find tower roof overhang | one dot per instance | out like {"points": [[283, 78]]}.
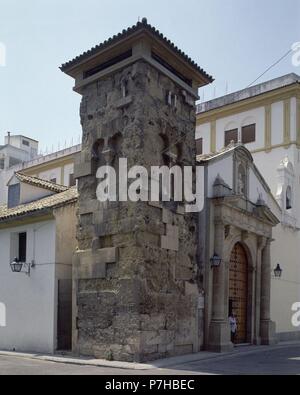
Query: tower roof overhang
{"points": [[142, 41]]}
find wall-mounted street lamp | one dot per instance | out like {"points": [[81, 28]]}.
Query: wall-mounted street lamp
{"points": [[21, 267], [215, 261], [278, 271]]}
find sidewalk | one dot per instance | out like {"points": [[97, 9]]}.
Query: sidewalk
{"points": [[161, 364]]}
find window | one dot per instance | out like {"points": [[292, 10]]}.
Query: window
{"points": [[53, 180], [248, 134], [289, 198], [22, 246], [72, 181], [199, 146], [13, 199], [231, 136], [25, 142]]}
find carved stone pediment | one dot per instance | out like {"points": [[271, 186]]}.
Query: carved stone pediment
{"points": [[264, 213]]}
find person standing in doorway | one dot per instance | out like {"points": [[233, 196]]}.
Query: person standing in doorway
{"points": [[233, 327]]}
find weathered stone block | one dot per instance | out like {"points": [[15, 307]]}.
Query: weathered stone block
{"points": [[124, 102], [93, 264], [169, 243], [88, 207], [83, 169], [153, 322], [168, 217]]}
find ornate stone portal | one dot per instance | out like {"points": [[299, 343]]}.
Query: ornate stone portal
{"points": [[135, 273], [232, 219]]}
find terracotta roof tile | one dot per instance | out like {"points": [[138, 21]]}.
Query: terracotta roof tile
{"points": [[51, 202], [144, 25], [38, 182]]}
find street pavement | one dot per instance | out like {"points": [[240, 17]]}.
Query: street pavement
{"points": [[280, 360], [22, 366]]}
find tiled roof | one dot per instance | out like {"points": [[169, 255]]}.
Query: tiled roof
{"points": [[38, 182], [51, 202], [140, 26]]}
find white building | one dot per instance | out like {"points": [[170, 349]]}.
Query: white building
{"points": [[57, 167], [17, 149], [36, 225], [266, 119]]}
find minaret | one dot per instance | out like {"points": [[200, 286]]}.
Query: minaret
{"points": [[136, 282]]}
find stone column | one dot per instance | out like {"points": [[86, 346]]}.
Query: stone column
{"points": [[219, 332], [267, 327], [260, 245]]}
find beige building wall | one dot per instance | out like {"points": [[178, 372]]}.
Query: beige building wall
{"points": [[66, 226]]}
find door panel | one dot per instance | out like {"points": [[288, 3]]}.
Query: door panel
{"points": [[64, 318], [238, 290]]}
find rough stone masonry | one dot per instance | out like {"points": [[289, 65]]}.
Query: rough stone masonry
{"points": [[136, 278]]}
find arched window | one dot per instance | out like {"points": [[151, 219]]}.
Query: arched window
{"points": [[289, 198]]}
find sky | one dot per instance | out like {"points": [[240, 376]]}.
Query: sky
{"points": [[233, 40]]}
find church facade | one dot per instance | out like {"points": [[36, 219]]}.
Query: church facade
{"points": [[266, 120], [235, 230]]}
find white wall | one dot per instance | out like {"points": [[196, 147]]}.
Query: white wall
{"points": [[51, 174], [203, 132], [293, 119], [256, 189], [57, 173], [5, 176], [285, 291], [68, 170], [223, 167], [30, 301], [31, 193], [277, 123]]}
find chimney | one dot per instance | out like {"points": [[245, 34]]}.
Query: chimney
{"points": [[8, 138]]}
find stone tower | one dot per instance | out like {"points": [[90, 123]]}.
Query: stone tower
{"points": [[135, 273]]}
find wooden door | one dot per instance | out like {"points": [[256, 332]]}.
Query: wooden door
{"points": [[64, 315], [238, 290]]}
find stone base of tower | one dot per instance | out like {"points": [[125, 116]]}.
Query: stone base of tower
{"points": [[122, 316]]}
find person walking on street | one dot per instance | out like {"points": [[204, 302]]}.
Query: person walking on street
{"points": [[233, 327]]}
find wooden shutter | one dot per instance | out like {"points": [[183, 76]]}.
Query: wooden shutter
{"points": [[199, 146], [231, 136], [248, 134]]}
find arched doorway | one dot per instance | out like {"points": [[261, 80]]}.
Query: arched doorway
{"points": [[238, 290]]}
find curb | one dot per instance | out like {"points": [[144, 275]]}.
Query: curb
{"points": [[160, 364], [78, 361]]}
